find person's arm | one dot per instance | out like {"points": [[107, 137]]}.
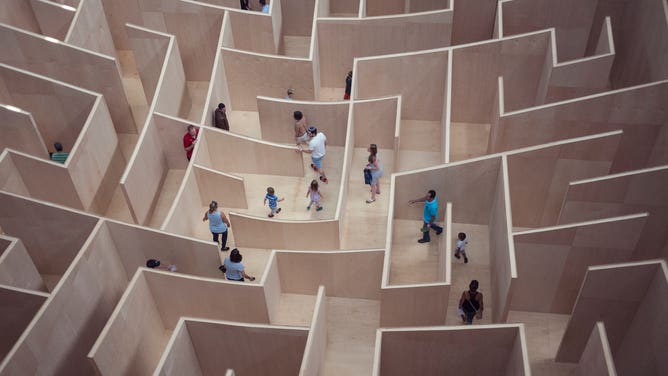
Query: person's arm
{"points": [[421, 199], [192, 145], [320, 193], [462, 299], [205, 217], [281, 199], [302, 150], [308, 193], [225, 220], [243, 273], [265, 201], [482, 306]]}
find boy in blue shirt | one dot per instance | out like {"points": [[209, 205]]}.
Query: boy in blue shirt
{"points": [[429, 215], [273, 202]]}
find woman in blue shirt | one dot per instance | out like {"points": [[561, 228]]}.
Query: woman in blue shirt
{"points": [[218, 224], [234, 269]]}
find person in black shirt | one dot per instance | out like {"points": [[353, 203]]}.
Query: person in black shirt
{"points": [[245, 5], [471, 303], [349, 84]]}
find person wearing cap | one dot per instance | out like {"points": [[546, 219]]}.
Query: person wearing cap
{"points": [[155, 264], [220, 117], [289, 96], [234, 269], [59, 156], [317, 149]]}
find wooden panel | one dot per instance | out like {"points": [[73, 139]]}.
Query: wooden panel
{"points": [[10, 177], [384, 7], [81, 304], [255, 350], [20, 133], [238, 154], [297, 17], [249, 75], [19, 13], [272, 287], [554, 260], [229, 188], [150, 52], [179, 357], [72, 65], [349, 8], [341, 40], [144, 175], [470, 187], [285, 234], [17, 268], [596, 359], [415, 6], [422, 91], [415, 305], [253, 32], [172, 98], [316, 344], [136, 244], [459, 350], [475, 70], [47, 181], [18, 309], [54, 20], [90, 30], [186, 213], [376, 123], [614, 294], [170, 132], [277, 123], [473, 21], [344, 274]]}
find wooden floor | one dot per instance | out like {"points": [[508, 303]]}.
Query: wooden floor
{"points": [[296, 46]]}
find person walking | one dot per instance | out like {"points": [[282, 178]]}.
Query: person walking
{"points": [[429, 215], [376, 168], [220, 117], [189, 140], [317, 148], [218, 224], [471, 303], [349, 85]]}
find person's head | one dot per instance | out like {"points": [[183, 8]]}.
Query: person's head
{"points": [[270, 190], [58, 146], [221, 107], [372, 158], [461, 236], [298, 115], [373, 149], [152, 263], [263, 2], [290, 92], [213, 206], [314, 185], [191, 130], [312, 131], [431, 194], [235, 256], [473, 286], [350, 74]]}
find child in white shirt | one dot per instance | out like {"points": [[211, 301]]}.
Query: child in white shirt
{"points": [[461, 247]]}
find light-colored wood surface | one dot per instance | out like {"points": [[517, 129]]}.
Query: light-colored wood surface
{"points": [[17, 268], [19, 308], [597, 358]]}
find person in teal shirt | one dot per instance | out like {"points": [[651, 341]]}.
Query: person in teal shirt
{"points": [[429, 215], [59, 155]]}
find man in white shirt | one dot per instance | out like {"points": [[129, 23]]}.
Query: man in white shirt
{"points": [[317, 149]]}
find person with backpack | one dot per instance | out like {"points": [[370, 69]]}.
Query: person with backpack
{"points": [[470, 304]]}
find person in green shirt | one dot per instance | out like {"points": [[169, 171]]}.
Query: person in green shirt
{"points": [[59, 155]]}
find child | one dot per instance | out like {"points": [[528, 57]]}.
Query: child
{"points": [[315, 194], [273, 201], [461, 246]]}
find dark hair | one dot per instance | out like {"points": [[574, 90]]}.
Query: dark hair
{"points": [[235, 256], [373, 149], [312, 130], [372, 158], [350, 73], [58, 146], [263, 2], [461, 236], [152, 263], [473, 286], [314, 185], [221, 106], [190, 127], [270, 190], [298, 115], [290, 91], [213, 206], [432, 193]]}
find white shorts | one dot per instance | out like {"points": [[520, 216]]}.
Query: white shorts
{"points": [[303, 138]]}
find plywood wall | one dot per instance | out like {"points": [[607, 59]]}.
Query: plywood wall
{"points": [[285, 234], [54, 20], [20, 14], [253, 32], [179, 358], [473, 21], [376, 122], [90, 30], [150, 52], [21, 133], [342, 40], [17, 268], [229, 190], [596, 359], [19, 308], [415, 305]]}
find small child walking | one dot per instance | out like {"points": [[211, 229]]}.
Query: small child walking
{"points": [[315, 194], [273, 202], [461, 247]]}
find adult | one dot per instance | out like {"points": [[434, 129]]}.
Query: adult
{"points": [[218, 224], [289, 94], [155, 264], [245, 5], [234, 269], [429, 215], [265, 6], [189, 140], [59, 156], [349, 85], [301, 136], [471, 303], [317, 148], [376, 167], [220, 117]]}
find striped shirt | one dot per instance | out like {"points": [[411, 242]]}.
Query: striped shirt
{"points": [[59, 157], [273, 200]]}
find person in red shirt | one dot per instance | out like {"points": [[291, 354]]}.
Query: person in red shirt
{"points": [[189, 140]]}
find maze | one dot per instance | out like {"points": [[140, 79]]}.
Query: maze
{"points": [[542, 125]]}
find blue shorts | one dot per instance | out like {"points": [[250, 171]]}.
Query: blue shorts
{"points": [[317, 162]]}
